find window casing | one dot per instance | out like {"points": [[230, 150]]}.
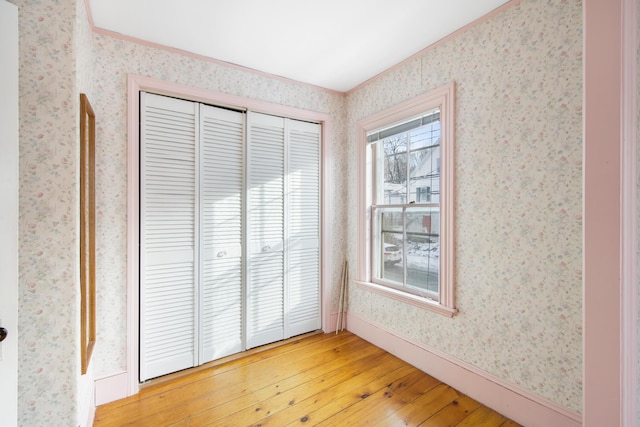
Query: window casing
{"points": [[406, 241]]}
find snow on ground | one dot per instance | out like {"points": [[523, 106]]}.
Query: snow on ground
{"points": [[423, 256]]}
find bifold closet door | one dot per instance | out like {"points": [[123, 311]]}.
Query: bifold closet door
{"points": [[265, 229], [302, 233], [229, 232], [168, 234], [283, 278], [221, 195], [191, 299]]}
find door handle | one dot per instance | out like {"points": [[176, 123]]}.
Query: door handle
{"points": [[3, 334]]}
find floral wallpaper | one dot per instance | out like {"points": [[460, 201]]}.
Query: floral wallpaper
{"points": [[519, 197], [84, 84], [48, 260]]}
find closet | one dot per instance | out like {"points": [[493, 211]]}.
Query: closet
{"points": [[229, 231]]}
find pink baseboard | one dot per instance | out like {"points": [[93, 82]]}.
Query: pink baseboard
{"points": [[330, 326], [110, 388], [518, 404]]}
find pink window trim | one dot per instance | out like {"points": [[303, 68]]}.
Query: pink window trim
{"points": [[443, 98]]}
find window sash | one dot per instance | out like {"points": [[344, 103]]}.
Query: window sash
{"points": [[416, 269], [410, 166]]}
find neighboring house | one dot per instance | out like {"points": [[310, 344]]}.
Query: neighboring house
{"points": [[522, 231], [424, 182]]}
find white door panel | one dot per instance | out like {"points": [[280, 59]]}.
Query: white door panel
{"points": [[303, 228], [221, 190], [265, 229], [9, 213], [168, 238]]}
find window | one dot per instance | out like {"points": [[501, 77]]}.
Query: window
{"points": [[423, 194], [406, 228]]}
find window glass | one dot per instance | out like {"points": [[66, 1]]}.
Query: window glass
{"points": [[407, 181], [395, 169]]}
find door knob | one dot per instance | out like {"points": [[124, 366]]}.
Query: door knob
{"points": [[3, 334]]}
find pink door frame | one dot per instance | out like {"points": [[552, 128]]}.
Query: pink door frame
{"points": [[610, 224]]}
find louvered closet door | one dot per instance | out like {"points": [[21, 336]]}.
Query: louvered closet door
{"points": [[265, 228], [222, 159], [168, 235], [229, 232], [303, 228]]}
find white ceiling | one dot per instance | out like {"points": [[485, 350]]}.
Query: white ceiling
{"points": [[335, 44]]}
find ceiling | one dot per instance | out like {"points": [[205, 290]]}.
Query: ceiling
{"points": [[334, 44]]}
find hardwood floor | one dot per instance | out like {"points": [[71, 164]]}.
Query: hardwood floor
{"points": [[323, 379]]}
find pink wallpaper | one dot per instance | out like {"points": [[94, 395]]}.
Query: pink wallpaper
{"points": [[519, 197], [49, 374]]}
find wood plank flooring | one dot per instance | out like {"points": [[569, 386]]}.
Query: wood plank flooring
{"points": [[322, 379]]}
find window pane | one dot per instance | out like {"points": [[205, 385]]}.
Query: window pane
{"points": [[423, 248], [395, 169], [389, 244], [391, 254], [425, 164], [425, 175], [425, 136], [391, 220], [423, 259]]}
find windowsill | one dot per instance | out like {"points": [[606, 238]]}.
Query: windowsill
{"points": [[408, 298]]}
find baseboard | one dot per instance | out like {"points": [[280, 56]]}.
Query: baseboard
{"points": [[518, 404], [110, 388], [333, 323], [88, 411], [91, 415]]}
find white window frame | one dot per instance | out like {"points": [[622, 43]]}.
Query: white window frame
{"points": [[443, 99]]}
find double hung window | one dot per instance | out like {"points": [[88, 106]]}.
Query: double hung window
{"points": [[405, 242], [406, 231]]}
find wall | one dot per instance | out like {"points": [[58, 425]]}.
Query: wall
{"points": [[59, 58], [50, 77], [115, 58], [84, 84], [519, 203], [519, 195]]}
